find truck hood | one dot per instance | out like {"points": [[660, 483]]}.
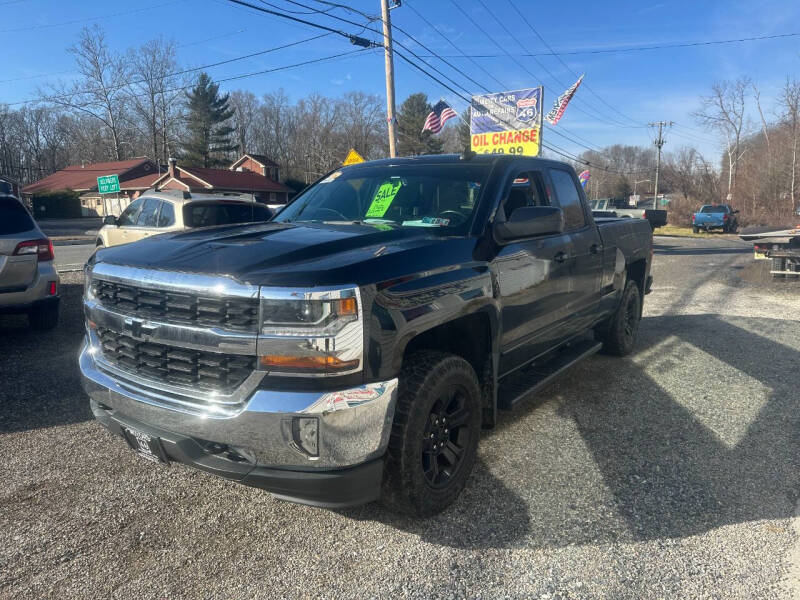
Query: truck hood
{"points": [[285, 254]]}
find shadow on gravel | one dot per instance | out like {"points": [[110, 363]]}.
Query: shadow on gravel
{"points": [[487, 514], [677, 470], [39, 379]]}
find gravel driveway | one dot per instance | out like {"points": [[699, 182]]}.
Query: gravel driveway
{"points": [[671, 474]]}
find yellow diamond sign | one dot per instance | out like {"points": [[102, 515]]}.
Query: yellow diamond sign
{"points": [[353, 158]]}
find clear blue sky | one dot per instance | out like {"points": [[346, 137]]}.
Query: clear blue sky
{"points": [[644, 86]]}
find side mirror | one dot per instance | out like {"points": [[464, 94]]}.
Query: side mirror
{"points": [[109, 220], [529, 221]]}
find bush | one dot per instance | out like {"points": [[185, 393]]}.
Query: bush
{"points": [[60, 204]]}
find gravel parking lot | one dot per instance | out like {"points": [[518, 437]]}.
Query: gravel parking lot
{"points": [[671, 474]]}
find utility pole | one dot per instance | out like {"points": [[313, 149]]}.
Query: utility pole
{"points": [[659, 143], [387, 47]]}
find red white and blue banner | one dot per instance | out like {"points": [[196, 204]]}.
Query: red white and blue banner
{"points": [[554, 116]]}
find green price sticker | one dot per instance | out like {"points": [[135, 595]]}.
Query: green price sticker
{"points": [[383, 199]]}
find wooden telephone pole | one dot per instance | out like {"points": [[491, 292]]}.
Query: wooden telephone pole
{"points": [[659, 142], [391, 120]]}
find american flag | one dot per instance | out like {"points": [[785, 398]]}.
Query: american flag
{"points": [[439, 115]]}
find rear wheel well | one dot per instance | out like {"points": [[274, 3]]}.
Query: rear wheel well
{"points": [[470, 338], [636, 272]]}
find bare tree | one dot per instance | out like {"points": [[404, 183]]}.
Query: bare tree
{"points": [[723, 111], [102, 90], [790, 98], [153, 94], [245, 108]]}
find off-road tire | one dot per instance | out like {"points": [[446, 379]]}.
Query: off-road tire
{"points": [[618, 335], [427, 378], [43, 318]]}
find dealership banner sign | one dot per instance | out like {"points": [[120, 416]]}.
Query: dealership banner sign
{"points": [[507, 122]]}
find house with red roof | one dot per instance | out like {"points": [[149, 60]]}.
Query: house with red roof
{"points": [[247, 175], [251, 174], [135, 176]]}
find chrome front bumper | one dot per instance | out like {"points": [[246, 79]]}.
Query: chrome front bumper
{"points": [[353, 424]]}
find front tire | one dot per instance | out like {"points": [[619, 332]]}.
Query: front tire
{"points": [[695, 230], [435, 433], [619, 334]]}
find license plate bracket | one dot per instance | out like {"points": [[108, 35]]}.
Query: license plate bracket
{"points": [[145, 445]]}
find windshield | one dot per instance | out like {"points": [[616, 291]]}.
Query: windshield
{"points": [[206, 214], [13, 217], [717, 208], [442, 197]]}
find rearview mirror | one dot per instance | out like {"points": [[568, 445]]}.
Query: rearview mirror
{"points": [[109, 220], [529, 221]]}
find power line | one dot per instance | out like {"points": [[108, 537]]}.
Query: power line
{"points": [[519, 64], [173, 74], [39, 76], [560, 83], [566, 66], [86, 20], [353, 38], [625, 49], [591, 146], [449, 41]]}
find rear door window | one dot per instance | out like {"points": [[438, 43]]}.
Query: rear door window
{"points": [[569, 199], [13, 217], [208, 214], [166, 218]]}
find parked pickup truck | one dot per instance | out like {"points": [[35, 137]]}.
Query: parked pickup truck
{"points": [[619, 207], [353, 347], [715, 216]]}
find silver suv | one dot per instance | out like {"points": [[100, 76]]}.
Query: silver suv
{"points": [[28, 279]]}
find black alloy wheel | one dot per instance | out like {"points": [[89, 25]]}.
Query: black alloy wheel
{"points": [[445, 438]]}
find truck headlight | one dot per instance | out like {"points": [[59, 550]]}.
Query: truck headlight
{"points": [[313, 332], [88, 292]]}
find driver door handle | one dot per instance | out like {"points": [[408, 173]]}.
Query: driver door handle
{"points": [[560, 257], [594, 248]]}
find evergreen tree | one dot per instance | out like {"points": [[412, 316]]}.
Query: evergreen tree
{"points": [[622, 188], [210, 134], [411, 140]]}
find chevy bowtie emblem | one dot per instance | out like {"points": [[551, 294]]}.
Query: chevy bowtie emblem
{"points": [[137, 327]]}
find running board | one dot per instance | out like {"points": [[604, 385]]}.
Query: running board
{"points": [[520, 385]]}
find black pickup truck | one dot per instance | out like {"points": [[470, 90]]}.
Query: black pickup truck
{"points": [[352, 348]]}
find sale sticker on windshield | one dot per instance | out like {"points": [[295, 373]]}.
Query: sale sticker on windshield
{"points": [[383, 199]]}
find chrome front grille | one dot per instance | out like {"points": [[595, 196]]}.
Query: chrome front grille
{"points": [[206, 371], [227, 312]]}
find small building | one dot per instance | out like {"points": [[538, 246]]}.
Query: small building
{"points": [[73, 191], [135, 176], [250, 174]]}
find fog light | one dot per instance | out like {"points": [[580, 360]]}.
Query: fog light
{"points": [[305, 431]]}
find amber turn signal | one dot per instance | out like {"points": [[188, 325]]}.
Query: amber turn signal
{"points": [[306, 363], [346, 306]]}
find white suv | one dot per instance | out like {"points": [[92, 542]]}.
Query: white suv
{"points": [[160, 212]]}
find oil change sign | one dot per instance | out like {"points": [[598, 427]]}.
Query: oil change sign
{"points": [[383, 199], [507, 122]]}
